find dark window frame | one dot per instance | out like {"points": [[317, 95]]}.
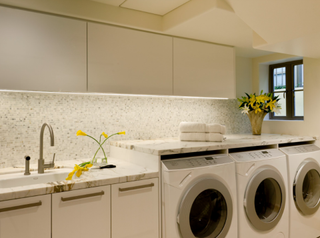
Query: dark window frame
{"points": [[289, 89]]}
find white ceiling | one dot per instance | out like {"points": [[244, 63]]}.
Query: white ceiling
{"points": [[254, 27], [158, 7]]}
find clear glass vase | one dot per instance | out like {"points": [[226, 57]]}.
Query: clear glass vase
{"points": [[99, 161]]}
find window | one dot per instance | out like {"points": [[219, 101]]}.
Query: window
{"points": [[286, 80]]}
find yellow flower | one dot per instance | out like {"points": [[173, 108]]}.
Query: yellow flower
{"points": [[70, 175], [78, 170], [105, 135], [271, 104], [260, 99], [252, 100], [268, 98], [257, 109], [122, 133], [81, 133], [88, 166]]}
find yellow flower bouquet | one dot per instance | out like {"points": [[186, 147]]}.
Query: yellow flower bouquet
{"points": [[261, 103], [78, 169], [257, 107]]}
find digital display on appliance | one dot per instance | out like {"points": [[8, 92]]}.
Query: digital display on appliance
{"points": [[264, 152], [208, 158]]}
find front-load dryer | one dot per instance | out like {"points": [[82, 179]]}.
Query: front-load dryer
{"points": [[304, 190], [262, 194], [199, 197]]}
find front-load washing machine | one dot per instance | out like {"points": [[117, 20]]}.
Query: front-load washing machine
{"points": [[199, 197], [262, 194], [304, 190]]}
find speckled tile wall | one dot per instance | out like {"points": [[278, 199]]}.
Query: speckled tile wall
{"points": [[23, 113]]}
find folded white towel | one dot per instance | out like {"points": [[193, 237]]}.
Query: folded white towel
{"points": [[192, 127], [214, 137], [215, 128], [192, 136]]}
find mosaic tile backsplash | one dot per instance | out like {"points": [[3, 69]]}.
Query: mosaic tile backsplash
{"points": [[23, 113]]}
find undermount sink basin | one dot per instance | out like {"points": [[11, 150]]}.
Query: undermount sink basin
{"points": [[19, 179]]}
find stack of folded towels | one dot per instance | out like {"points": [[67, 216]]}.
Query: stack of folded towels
{"points": [[194, 131]]}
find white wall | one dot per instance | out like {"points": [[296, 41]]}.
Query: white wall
{"points": [[310, 126], [243, 76]]}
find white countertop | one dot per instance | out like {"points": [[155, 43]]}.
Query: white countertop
{"points": [[124, 172], [175, 146]]}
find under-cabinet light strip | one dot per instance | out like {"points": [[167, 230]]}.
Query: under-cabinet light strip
{"points": [[111, 94]]}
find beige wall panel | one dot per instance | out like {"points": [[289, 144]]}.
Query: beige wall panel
{"points": [[203, 69], [41, 52], [127, 61]]}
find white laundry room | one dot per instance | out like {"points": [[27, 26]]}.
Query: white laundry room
{"points": [[159, 119]]}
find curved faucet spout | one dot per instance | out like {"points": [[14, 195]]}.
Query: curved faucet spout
{"points": [[41, 164]]}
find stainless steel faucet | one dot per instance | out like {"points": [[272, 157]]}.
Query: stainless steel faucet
{"points": [[41, 164]]}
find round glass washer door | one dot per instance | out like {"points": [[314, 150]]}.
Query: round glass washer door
{"points": [[205, 210], [306, 187], [264, 199]]}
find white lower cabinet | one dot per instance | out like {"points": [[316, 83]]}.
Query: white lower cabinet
{"points": [[126, 210], [81, 213], [135, 209], [26, 218]]}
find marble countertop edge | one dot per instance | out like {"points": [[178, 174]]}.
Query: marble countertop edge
{"points": [[95, 177], [167, 146]]}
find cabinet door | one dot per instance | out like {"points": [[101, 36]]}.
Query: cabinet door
{"points": [[128, 61], [41, 52], [81, 213], [203, 69], [135, 209], [26, 218]]}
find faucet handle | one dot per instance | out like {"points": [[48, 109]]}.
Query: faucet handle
{"points": [[27, 165], [54, 156], [50, 164]]}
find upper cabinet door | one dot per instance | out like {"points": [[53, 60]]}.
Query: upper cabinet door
{"points": [[128, 61], [41, 52], [203, 69]]}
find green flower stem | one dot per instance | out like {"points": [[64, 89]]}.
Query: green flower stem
{"points": [[102, 148], [84, 164], [98, 149]]}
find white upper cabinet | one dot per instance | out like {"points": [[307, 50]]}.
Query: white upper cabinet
{"points": [[203, 69], [41, 52], [128, 61]]}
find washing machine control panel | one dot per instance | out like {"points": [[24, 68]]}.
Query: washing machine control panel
{"points": [[256, 155], [195, 162], [300, 149]]}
